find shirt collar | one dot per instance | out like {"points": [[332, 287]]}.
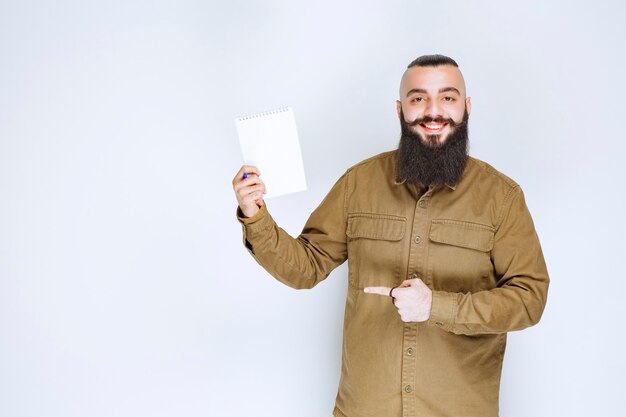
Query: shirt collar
{"points": [[399, 181]]}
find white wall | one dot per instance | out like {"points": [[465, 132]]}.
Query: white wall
{"points": [[124, 287]]}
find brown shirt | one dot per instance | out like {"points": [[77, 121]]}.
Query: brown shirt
{"points": [[473, 244]]}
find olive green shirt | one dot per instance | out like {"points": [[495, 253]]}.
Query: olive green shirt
{"points": [[474, 244]]}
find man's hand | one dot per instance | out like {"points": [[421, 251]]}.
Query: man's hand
{"points": [[413, 299], [249, 191]]}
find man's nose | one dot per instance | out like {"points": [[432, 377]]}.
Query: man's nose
{"points": [[433, 109]]}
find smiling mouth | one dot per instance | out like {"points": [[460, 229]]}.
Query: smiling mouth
{"points": [[433, 128]]}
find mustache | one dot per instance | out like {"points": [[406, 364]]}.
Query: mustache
{"points": [[424, 120]]}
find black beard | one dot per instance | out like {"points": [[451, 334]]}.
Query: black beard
{"points": [[424, 161]]}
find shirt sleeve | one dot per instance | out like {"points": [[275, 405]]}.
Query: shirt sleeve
{"points": [[519, 298], [304, 261]]}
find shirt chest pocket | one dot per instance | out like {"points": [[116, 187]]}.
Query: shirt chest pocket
{"points": [[374, 249], [460, 255]]}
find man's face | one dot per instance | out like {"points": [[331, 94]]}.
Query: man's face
{"points": [[432, 100]]}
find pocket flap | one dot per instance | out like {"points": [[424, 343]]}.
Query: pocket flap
{"points": [[375, 226], [464, 234]]}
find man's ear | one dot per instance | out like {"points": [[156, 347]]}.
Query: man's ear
{"points": [[468, 105], [399, 108]]}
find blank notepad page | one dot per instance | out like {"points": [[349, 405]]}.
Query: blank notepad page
{"points": [[269, 141]]}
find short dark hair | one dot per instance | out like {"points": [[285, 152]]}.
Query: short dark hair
{"points": [[432, 61]]}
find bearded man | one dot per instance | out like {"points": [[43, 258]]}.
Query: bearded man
{"points": [[442, 253]]}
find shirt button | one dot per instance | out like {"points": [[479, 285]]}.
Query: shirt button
{"points": [[422, 204], [408, 389], [418, 239], [409, 352]]}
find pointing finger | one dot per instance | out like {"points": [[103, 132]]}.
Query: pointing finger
{"points": [[377, 290]]}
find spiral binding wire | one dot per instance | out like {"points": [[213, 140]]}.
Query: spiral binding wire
{"points": [[263, 114]]}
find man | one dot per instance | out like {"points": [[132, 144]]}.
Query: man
{"points": [[442, 253]]}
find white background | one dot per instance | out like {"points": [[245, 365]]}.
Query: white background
{"points": [[125, 289]]}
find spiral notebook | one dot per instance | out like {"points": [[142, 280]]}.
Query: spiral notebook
{"points": [[269, 141]]}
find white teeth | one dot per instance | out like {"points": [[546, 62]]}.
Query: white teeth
{"points": [[434, 126]]}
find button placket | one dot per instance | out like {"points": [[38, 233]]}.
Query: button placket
{"points": [[408, 370], [416, 264]]}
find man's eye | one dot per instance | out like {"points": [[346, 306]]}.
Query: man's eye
{"points": [[418, 99], [448, 99]]}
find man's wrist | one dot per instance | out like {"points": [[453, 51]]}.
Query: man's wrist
{"points": [[258, 218]]}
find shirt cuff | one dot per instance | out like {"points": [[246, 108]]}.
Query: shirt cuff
{"points": [[443, 310], [259, 218], [255, 227]]}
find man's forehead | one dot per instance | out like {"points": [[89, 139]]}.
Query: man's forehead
{"points": [[432, 79]]}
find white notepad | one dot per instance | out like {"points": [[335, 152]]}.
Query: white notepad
{"points": [[269, 141]]}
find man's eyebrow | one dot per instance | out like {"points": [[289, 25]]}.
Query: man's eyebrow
{"points": [[446, 89], [441, 90], [416, 90]]}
